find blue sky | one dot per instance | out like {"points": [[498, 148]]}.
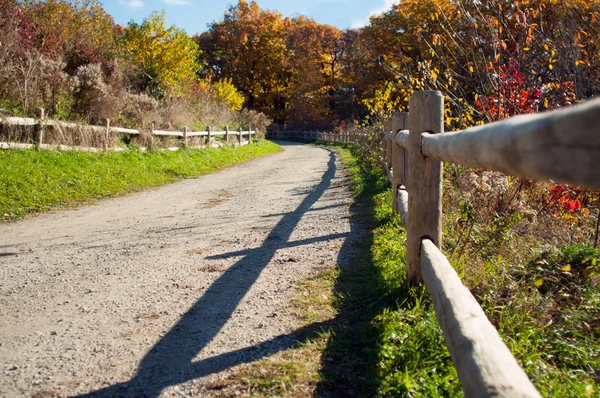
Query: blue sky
{"points": [[194, 15]]}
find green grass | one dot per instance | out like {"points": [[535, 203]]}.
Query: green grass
{"points": [[33, 181]]}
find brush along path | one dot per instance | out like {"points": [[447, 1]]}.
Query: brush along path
{"points": [[163, 291]]}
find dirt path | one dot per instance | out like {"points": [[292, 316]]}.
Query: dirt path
{"points": [[159, 292]]}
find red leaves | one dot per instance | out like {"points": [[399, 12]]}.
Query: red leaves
{"points": [[566, 197], [512, 97]]}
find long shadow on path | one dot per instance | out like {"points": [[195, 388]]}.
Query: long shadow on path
{"points": [[170, 361]]}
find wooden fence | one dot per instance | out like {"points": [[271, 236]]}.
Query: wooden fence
{"points": [[562, 146], [342, 137], [39, 124]]}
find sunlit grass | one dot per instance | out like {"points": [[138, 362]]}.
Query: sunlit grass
{"points": [[33, 181]]}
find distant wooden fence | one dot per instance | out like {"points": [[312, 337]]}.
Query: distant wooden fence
{"points": [[40, 123], [562, 146], [342, 137]]}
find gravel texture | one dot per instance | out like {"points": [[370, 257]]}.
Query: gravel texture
{"points": [[157, 293]]}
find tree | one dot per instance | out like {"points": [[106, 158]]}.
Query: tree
{"points": [[165, 57], [249, 48]]}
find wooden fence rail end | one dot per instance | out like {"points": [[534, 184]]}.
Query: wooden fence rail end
{"points": [[402, 203]]}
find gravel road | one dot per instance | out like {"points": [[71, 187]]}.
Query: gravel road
{"points": [[157, 293]]}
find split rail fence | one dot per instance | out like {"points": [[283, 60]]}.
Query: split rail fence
{"points": [[562, 146], [344, 137], [40, 124]]}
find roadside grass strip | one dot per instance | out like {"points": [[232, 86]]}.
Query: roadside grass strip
{"points": [[32, 181]]}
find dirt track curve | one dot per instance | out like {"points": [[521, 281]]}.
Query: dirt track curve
{"points": [[159, 292]]}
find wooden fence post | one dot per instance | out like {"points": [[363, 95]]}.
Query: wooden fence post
{"points": [[399, 122], [151, 144], [250, 135], [226, 135], [424, 179], [185, 138], [240, 137], [107, 137], [382, 161], [38, 130], [208, 136]]}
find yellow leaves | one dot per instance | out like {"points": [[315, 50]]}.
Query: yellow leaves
{"points": [[434, 75], [550, 66], [226, 92], [167, 55], [538, 283], [566, 268], [471, 68], [580, 62]]}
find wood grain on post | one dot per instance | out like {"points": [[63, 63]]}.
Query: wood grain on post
{"points": [[250, 135], [399, 122], [485, 365], [424, 179], [38, 130], [240, 137], [208, 136], [185, 137], [226, 135], [562, 145]]}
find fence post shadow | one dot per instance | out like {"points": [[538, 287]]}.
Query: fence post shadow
{"points": [[170, 360], [350, 360]]}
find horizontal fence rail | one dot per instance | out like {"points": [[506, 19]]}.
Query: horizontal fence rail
{"points": [[40, 124], [563, 146], [484, 364]]}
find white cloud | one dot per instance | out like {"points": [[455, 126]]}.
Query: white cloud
{"points": [[134, 4], [178, 2], [387, 4]]}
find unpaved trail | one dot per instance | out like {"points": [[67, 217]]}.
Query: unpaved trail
{"points": [[159, 292]]}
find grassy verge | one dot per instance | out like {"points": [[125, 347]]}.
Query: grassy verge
{"points": [[363, 331], [33, 181]]}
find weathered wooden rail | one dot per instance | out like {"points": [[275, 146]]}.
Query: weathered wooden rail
{"points": [[562, 146], [40, 123]]}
